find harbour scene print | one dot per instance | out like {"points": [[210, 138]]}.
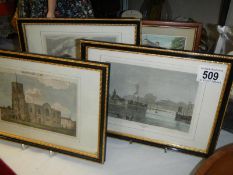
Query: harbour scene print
{"points": [[152, 96], [69, 46], [61, 46], [39, 101], [168, 42]]}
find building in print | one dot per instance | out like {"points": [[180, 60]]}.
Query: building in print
{"points": [[184, 113], [44, 115], [135, 108], [126, 109], [38, 116], [19, 105], [67, 123]]}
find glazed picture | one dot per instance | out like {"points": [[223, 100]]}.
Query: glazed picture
{"points": [[40, 101], [162, 102], [69, 45], [169, 42]]}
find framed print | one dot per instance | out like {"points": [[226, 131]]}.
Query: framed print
{"points": [[61, 37], [167, 98], [55, 104], [171, 35]]}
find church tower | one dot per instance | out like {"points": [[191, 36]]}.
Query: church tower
{"points": [[18, 101]]}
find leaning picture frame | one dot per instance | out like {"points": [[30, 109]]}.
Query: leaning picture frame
{"points": [[53, 103], [164, 98], [61, 36], [171, 35]]}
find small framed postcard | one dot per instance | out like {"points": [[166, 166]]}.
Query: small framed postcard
{"points": [[171, 35], [172, 99], [55, 104], [61, 37]]}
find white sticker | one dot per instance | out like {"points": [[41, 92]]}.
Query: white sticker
{"points": [[210, 74]]}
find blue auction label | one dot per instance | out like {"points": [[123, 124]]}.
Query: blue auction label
{"points": [[210, 74]]}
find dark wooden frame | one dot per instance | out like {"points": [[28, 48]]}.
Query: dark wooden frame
{"points": [[85, 44], [102, 124], [76, 21], [182, 25]]}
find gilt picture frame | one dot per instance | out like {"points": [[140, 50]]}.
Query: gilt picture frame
{"points": [[171, 35], [161, 97], [46, 101], [61, 36]]}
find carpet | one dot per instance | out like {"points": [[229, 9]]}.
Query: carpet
{"points": [[5, 169]]}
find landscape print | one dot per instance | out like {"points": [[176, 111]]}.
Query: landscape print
{"points": [[152, 96], [39, 101], [69, 46], [169, 42]]}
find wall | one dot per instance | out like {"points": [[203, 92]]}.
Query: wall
{"points": [[205, 11], [229, 20], [135, 4]]}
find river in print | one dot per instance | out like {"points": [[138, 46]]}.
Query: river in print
{"points": [[152, 96]]}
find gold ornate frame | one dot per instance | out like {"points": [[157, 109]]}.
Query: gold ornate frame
{"points": [[103, 69], [85, 45]]}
